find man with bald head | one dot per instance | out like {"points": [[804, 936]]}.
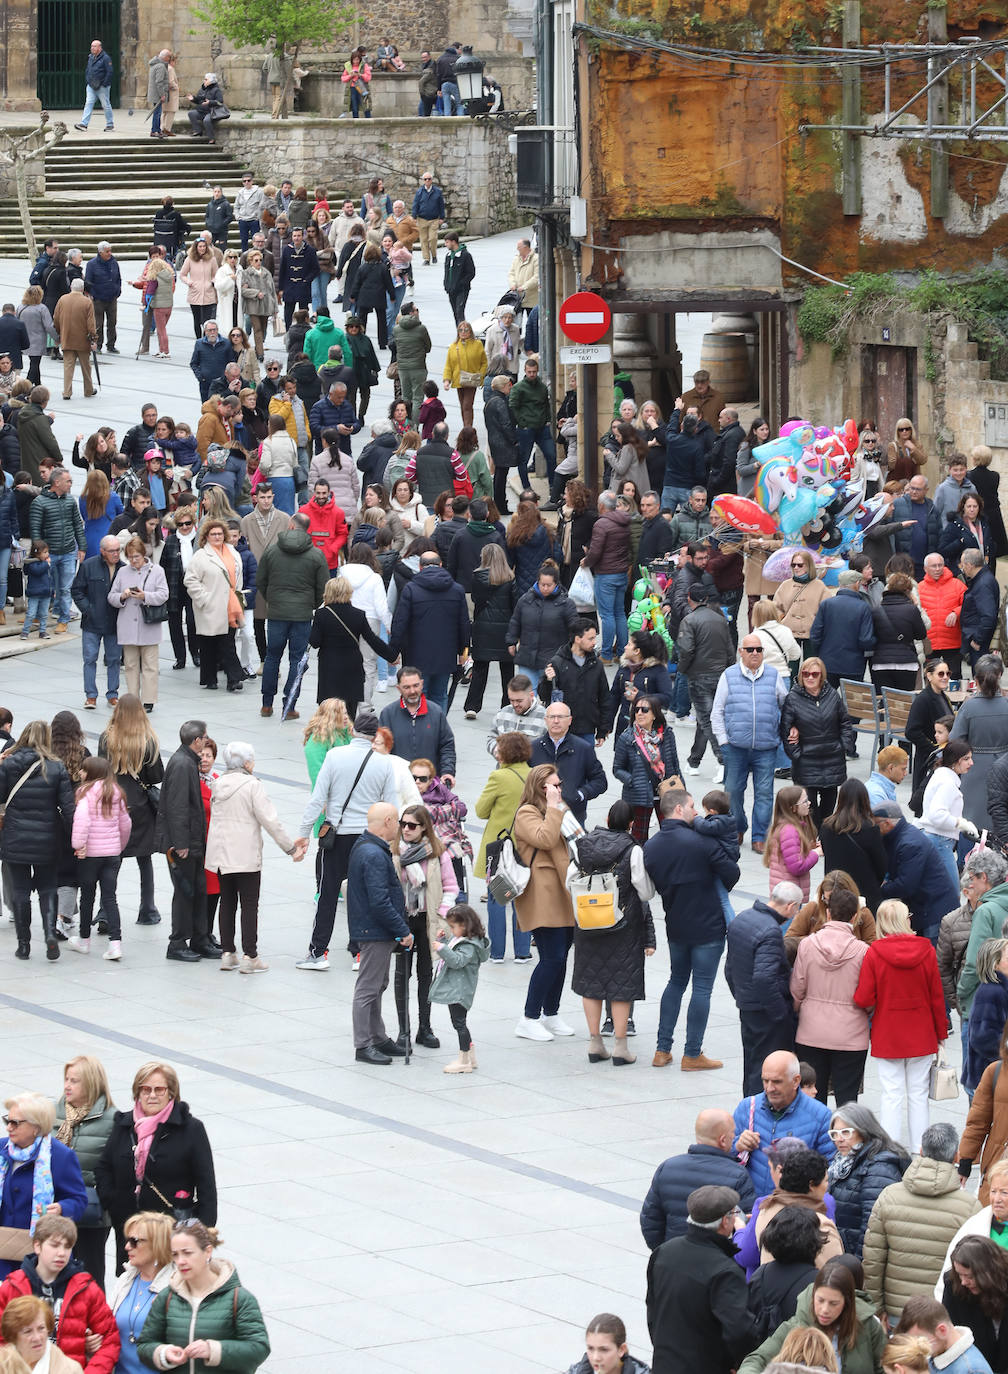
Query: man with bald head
{"points": [[376, 910], [710, 1161], [780, 1109], [89, 591]]}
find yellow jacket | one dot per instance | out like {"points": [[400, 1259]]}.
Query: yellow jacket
{"points": [[280, 405], [465, 355]]}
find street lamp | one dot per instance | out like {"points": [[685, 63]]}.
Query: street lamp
{"points": [[469, 76]]}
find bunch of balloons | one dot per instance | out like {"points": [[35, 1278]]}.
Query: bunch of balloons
{"points": [[806, 493], [646, 611]]}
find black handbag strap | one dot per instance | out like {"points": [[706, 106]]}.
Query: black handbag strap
{"points": [[353, 788]]}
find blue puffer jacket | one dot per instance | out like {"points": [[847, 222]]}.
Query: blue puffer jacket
{"points": [[805, 1118], [751, 709], [756, 968], [663, 1214], [918, 877], [855, 1195], [528, 558], [210, 359], [631, 768], [843, 634], [987, 1018], [103, 280], [978, 616], [10, 526], [376, 907]]}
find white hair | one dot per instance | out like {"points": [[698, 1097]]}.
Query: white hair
{"points": [[236, 755], [77, 285], [103, 245], [785, 893]]}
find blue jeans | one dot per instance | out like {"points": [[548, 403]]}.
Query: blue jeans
{"points": [[64, 570], [383, 668], [497, 930], [90, 645], [739, 763], [946, 847], [701, 963], [281, 634], [680, 695], [393, 311], [155, 124], [318, 292], [283, 494], [5, 557], [727, 910], [671, 497], [533, 674], [247, 229], [38, 609], [610, 589], [527, 440], [451, 98], [356, 101], [436, 687], [550, 973], [91, 99]]}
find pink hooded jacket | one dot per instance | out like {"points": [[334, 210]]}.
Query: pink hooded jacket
{"points": [[826, 973], [99, 835]]}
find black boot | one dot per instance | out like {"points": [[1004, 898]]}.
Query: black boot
{"points": [[22, 928], [401, 988], [52, 948], [426, 1037]]}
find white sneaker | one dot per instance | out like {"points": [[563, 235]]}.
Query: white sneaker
{"points": [[556, 1025], [228, 961], [114, 950], [81, 946], [250, 964], [385, 686], [527, 1029], [66, 925], [313, 961], [471, 715], [691, 769]]}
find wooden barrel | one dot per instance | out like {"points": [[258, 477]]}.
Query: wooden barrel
{"points": [[726, 358]]}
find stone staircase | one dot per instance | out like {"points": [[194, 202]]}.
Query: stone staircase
{"points": [[112, 190]]}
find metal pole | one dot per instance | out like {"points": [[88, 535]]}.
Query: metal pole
{"points": [[851, 112]]}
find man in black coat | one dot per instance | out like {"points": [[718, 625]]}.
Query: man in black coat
{"points": [[459, 271], [978, 615], [447, 531], [298, 269], [466, 548], [89, 590], [577, 675], [721, 464], [578, 766], [139, 438], [181, 834], [334, 411], [696, 1293], [434, 473], [374, 456], [710, 1161], [420, 729], [13, 337], [758, 973], [705, 650], [656, 538], [431, 626]]}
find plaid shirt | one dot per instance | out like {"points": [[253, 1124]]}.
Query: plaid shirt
{"points": [[125, 486], [508, 721]]}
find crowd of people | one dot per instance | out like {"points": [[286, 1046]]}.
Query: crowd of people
{"points": [[265, 527]]}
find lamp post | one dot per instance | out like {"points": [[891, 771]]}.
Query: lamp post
{"points": [[469, 79]]}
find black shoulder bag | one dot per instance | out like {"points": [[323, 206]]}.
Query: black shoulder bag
{"points": [[327, 834]]}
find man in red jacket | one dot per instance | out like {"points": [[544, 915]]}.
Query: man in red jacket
{"points": [[326, 524], [78, 1304], [941, 598]]}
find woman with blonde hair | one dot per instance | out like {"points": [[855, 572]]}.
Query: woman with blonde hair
{"points": [[800, 595], [395, 468], [907, 1355], [810, 1348], [84, 1117], [160, 275], [213, 580], [158, 1156], [985, 478], [39, 1175], [148, 1271], [336, 631], [466, 361], [818, 736], [39, 323], [131, 747], [904, 454], [901, 987], [542, 826], [780, 648]]}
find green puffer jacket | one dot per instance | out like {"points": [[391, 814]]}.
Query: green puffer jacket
{"points": [[909, 1232], [412, 342], [228, 1317], [57, 520], [292, 574], [987, 921], [865, 1357], [89, 1136], [530, 403], [455, 980]]}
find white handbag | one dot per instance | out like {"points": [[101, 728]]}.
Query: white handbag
{"points": [[943, 1081], [506, 876]]}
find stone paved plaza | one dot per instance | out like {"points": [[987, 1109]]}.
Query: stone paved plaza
{"points": [[387, 1218]]}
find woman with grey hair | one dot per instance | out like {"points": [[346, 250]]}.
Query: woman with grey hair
{"points": [[984, 869], [867, 1160], [982, 721], [240, 811]]}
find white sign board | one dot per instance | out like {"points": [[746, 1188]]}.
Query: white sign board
{"points": [[995, 424], [586, 353]]}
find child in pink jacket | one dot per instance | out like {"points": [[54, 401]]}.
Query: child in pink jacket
{"points": [[101, 831], [791, 846]]}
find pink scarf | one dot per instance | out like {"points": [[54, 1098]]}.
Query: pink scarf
{"points": [[145, 1126]]}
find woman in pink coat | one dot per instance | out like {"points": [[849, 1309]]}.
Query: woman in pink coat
{"points": [[198, 272], [101, 831], [832, 1032]]}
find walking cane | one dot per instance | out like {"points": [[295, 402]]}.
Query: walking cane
{"points": [[94, 359]]}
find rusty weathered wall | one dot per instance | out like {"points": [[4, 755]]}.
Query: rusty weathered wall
{"points": [[677, 146]]}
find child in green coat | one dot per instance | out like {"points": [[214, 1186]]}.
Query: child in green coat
{"points": [[460, 955]]}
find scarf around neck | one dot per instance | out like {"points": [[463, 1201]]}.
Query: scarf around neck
{"points": [[43, 1193], [145, 1127], [649, 743], [411, 864], [72, 1117]]}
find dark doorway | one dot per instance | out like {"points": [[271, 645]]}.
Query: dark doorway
{"points": [[66, 30], [888, 386]]}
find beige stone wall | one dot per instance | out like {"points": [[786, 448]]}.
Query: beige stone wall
{"points": [[471, 161]]}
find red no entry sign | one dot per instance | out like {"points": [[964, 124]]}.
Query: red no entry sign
{"points": [[584, 317]]}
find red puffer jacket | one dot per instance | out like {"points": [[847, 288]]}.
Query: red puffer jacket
{"points": [[82, 1308], [899, 978]]}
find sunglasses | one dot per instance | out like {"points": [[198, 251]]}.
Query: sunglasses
{"points": [[131, 1242], [903, 429], [273, 369], [642, 710], [12, 1122], [410, 825], [798, 565], [184, 525], [812, 672], [421, 777], [156, 1092], [754, 649]]}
